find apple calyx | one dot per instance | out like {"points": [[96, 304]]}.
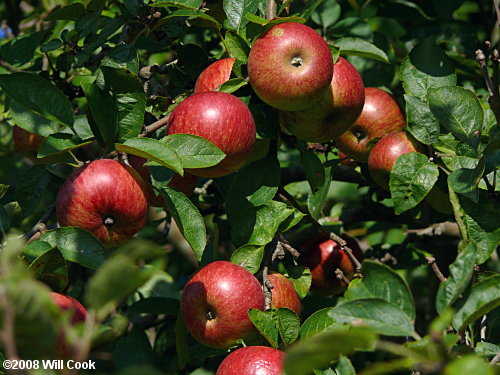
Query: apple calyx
{"points": [[358, 133], [108, 221], [297, 62], [211, 315]]}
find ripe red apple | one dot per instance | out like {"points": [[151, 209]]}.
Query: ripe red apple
{"points": [[290, 66], [323, 256], [26, 143], [381, 115], [105, 197], [284, 293], [215, 304], [222, 119], [336, 111], [385, 153], [253, 360], [214, 75]]}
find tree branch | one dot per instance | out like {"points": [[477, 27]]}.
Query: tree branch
{"points": [[271, 9], [438, 229], [435, 268], [154, 126], [497, 11], [41, 226]]}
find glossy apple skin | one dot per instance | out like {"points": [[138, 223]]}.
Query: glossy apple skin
{"points": [[323, 256], [381, 115], [336, 111], [385, 153], [222, 119], [102, 189], [253, 360], [215, 304], [214, 75], [284, 293], [26, 143], [273, 71]]}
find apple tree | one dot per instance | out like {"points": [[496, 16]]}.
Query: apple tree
{"points": [[250, 186]]}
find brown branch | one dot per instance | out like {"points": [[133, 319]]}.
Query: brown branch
{"points": [[154, 126], [481, 59], [271, 9], [435, 268], [491, 85], [9, 67], [497, 11], [267, 286], [438, 229], [341, 277], [495, 359], [41, 226]]}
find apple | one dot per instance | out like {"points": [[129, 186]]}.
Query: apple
{"points": [[253, 360], [214, 75], [381, 115], [26, 143], [385, 153], [222, 119], [215, 304], [347, 161], [284, 293], [290, 66], [105, 197], [336, 111], [323, 256]]}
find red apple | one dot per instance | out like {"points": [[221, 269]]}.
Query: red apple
{"points": [[385, 153], [215, 304], [222, 119], [336, 111], [105, 197], [290, 66], [381, 115], [284, 293], [26, 142], [214, 75], [347, 161], [323, 256], [253, 360]]}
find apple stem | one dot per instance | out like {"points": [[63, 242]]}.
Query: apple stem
{"points": [[340, 276], [435, 268], [284, 195]]}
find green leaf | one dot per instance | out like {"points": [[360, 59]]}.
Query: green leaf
{"points": [[104, 113], [3, 189], [130, 100], [301, 278], [77, 245], [154, 150], [411, 179], [481, 299], [314, 170], [31, 187], [194, 151], [21, 49], [187, 4], [233, 85], [236, 11], [123, 57], [59, 143], [335, 52], [39, 95], [156, 305], [51, 269], [194, 14], [327, 13], [459, 111], [319, 321], [256, 19], [384, 317], [188, 219], [468, 364], [132, 349], [288, 324], [461, 271], [316, 200], [181, 341], [466, 180], [265, 324], [237, 47], [249, 257], [52, 45], [344, 367], [351, 46], [319, 350], [420, 121], [380, 281], [30, 121], [69, 12], [4, 220], [426, 67]]}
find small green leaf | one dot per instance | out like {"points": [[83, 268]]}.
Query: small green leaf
{"points": [[52, 45], [69, 12], [344, 367], [411, 179], [77, 245], [265, 324], [188, 219], [466, 180], [288, 324], [133, 349], [122, 56], [181, 341], [319, 321], [31, 187], [237, 47], [351, 46], [327, 13], [384, 317], [301, 278], [156, 305], [469, 364], [3, 189], [236, 10], [186, 4], [194, 151], [32, 122], [51, 269], [104, 113], [59, 143], [335, 52], [313, 167], [154, 150], [233, 85], [461, 271], [316, 200], [420, 121], [248, 257], [22, 48], [256, 19]]}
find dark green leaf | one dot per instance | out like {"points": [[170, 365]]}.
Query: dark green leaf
{"points": [[420, 121], [237, 46], [466, 180], [265, 324], [69, 12], [187, 4], [248, 257], [384, 317], [288, 324], [155, 305], [301, 278], [181, 341], [412, 177], [327, 13], [21, 49], [124, 57], [52, 45], [3, 190], [31, 187], [426, 67], [77, 245], [351, 46], [380, 281], [315, 200], [30, 121], [4, 220], [319, 321], [133, 349], [319, 350], [36, 249], [313, 167], [481, 299], [458, 110], [194, 151], [59, 143], [335, 52], [188, 219], [51, 269], [39, 95], [233, 85], [236, 10], [469, 364], [154, 150]]}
